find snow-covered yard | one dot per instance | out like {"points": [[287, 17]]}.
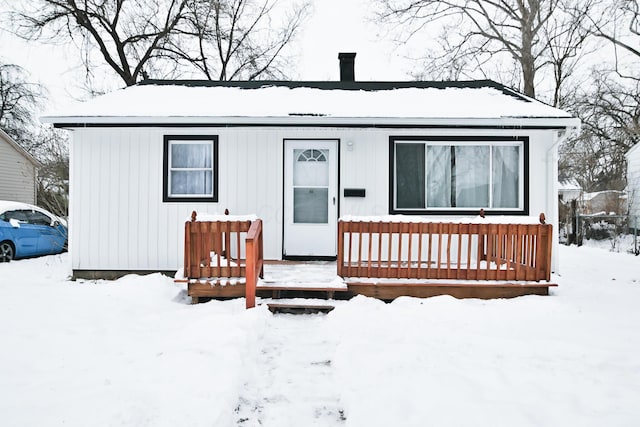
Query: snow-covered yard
{"points": [[133, 352]]}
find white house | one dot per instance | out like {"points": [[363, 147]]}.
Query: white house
{"points": [[633, 181], [18, 172], [569, 190], [607, 202], [299, 155]]}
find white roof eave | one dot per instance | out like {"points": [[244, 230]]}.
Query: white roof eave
{"points": [[306, 120], [631, 150]]}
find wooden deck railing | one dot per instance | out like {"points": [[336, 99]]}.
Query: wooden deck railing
{"points": [[444, 250], [224, 249]]}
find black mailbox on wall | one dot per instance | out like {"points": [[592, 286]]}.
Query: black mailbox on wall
{"points": [[354, 192]]}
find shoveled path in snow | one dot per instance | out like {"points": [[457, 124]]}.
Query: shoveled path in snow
{"points": [[292, 382]]}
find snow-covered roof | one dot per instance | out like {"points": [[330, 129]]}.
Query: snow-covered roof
{"points": [[591, 196], [309, 102], [569, 185]]}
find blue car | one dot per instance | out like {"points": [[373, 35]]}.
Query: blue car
{"points": [[28, 231]]}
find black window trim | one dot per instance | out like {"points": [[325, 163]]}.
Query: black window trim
{"points": [[458, 138], [165, 160]]}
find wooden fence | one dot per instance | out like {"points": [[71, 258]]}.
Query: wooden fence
{"points": [[443, 250], [230, 249]]}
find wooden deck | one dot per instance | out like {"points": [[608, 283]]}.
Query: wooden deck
{"points": [[481, 290], [204, 290], [278, 284], [385, 260]]}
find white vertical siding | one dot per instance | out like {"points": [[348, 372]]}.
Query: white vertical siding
{"points": [[633, 181], [364, 163], [17, 175], [119, 221]]}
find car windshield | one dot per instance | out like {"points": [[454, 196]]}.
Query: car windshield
{"points": [[18, 215]]}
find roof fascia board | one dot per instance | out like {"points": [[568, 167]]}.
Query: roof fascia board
{"points": [[308, 121]]}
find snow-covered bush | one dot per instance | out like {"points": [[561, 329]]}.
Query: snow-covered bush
{"points": [[600, 230]]}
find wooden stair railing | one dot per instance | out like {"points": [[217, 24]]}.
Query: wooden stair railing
{"points": [[255, 261]]}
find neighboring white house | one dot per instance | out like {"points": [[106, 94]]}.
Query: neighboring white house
{"points": [[607, 202], [633, 180], [299, 155], [569, 190], [18, 172]]}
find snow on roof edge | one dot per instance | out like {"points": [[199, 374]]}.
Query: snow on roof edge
{"points": [[165, 101]]}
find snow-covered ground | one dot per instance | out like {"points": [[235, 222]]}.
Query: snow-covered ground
{"points": [[133, 352], [627, 243]]}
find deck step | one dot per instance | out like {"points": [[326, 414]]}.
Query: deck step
{"points": [[291, 308], [302, 290], [301, 286]]}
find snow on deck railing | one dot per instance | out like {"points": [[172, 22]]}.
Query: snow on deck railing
{"points": [[217, 246], [402, 247], [479, 219]]}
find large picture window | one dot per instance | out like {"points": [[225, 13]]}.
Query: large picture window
{"points": [[447, 174], [190, 168]]}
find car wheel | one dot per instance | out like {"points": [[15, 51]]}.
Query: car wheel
{"points": [[6, 252]]}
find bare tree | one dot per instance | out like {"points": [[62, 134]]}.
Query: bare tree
{"points": [[622, 29], [127, 33], [18, 103], [566, 37], [222, 39], [53, 175], [610, 116], [238, 39], [478, 34], [611, 110]]}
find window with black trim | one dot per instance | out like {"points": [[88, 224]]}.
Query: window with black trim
{"points": [[190, 168], [459, 175]]}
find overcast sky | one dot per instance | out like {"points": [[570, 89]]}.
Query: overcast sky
{"points": [[346, 26], [334, 26]]}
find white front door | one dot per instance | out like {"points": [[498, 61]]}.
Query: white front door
{"points": [[310, 199]]}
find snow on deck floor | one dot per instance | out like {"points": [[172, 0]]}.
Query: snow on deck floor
{"points": [[133, 352], [305, 274]]}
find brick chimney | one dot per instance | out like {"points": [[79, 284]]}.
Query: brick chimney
{"points": [[347, 62]]}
